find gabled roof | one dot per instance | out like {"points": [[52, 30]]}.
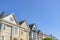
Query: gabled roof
{"points": [[15, 18], [21, 22], [33, 26], [24, 22], [39, 31], [2, 15]]}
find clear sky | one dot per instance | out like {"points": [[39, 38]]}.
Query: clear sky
{"points": [[45, 13]]}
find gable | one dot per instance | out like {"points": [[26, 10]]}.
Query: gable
{"points": [[24, 25], [11, 19], [34, 27]]}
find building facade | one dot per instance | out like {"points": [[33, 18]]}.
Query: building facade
{"points": [[45, 36], [33, 32], [10, 29], [24, 33], [40, 35]]}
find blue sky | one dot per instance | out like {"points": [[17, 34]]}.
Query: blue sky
{"points": [[45, 13]]}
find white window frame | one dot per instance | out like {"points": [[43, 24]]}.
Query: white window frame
{"points": [[1, 37], [3, 26], [21, 31], [16, 30]]}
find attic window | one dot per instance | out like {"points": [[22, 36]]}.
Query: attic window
{"points": [[11, 19]]}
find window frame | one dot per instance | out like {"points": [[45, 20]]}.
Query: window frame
{"points": [[2, 37], [21, 31], [3, 26], [16, 29]]}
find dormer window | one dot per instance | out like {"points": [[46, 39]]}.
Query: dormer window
{"points": [[11, 19]]}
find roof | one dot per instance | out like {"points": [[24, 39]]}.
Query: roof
{"points": [[2, 15], [31, 26], [21, 22], [39, 31]]}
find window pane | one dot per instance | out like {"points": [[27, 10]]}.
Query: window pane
{"points": [[1, 37], [21, 31], [3, 26], [16, 30], [0, 26]]}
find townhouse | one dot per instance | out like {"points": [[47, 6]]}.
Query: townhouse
{"points": [[33, 32], [11, 29], [24, 31], [40, 35], [45, 36]]}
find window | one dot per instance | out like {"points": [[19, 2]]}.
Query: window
{"points": [[20, 39], [14, 39], [3, 26], [16, 30], [0, 26], [21, 31], [32, 34], [1, 37]]}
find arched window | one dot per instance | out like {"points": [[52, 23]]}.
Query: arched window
{"points": [[20, 39], [14, 39]]}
